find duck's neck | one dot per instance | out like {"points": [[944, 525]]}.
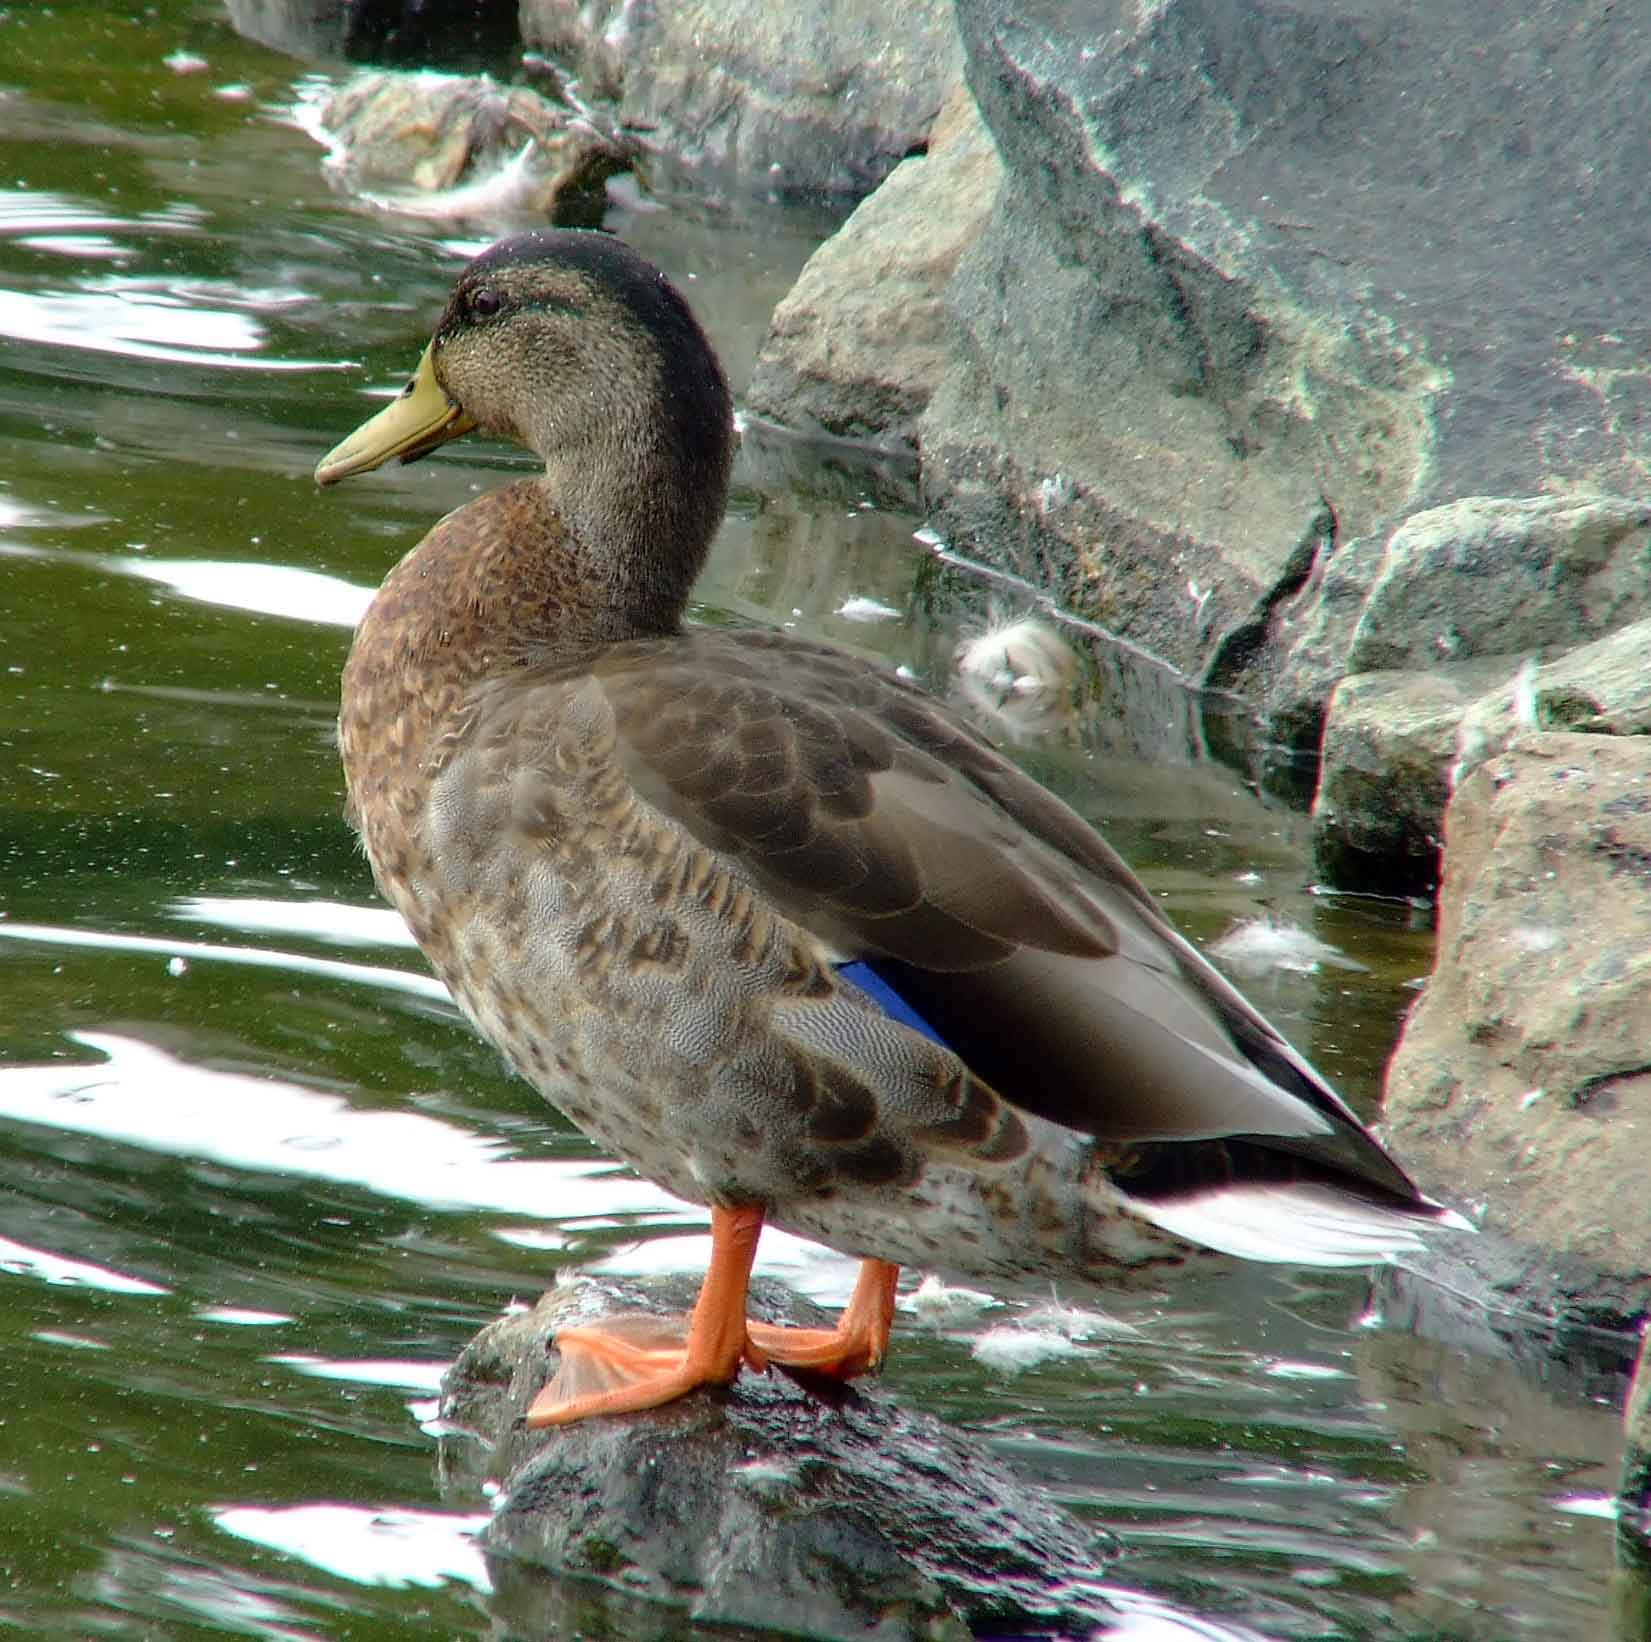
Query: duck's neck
{"points": [[592, 552], [633, 535]]}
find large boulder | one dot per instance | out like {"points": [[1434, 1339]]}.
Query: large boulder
{"points": [[1523, 1079], [1469, 626], [1265, 279], [1504, 576], [786, 98]]}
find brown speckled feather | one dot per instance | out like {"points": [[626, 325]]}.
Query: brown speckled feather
{"points": [[883, 826]]}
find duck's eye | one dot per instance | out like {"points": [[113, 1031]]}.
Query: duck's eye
{"points": [[485, 302]]}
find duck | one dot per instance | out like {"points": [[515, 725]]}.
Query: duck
{"points": [[772, 923]]}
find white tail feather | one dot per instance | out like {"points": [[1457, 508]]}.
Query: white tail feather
{"points": [[1294, 1224]]}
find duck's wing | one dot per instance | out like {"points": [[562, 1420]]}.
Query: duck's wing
{"points": [[877, 820]]}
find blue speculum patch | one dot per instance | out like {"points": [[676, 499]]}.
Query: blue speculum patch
{"points": [[865, 974]]}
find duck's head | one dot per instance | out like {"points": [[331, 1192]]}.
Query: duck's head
{"points": [[569, 343]]}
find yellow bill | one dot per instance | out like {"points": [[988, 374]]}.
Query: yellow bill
{"points": [[418, 419]]}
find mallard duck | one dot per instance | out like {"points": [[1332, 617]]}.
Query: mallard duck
{"points": [[771, 923]]}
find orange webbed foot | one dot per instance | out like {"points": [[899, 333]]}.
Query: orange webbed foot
{"points": [[622, 1365], [856, 1346]]}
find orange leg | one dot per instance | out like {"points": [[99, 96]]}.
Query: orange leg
{"points": [[638, 1376], [857, 1344], [620, 1366]]}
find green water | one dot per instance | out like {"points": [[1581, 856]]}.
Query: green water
{"points": [[258, 1183]]}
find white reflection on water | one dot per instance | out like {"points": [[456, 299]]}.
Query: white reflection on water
{"points": [[242, 1316], [371, 1547], [146, 1097], [265, 589], [398, 1376], [21, 516], [335, 922], [88, 246], [32, 210], [1601, 1506], [64, 226], [239, 584], [22, 1261], [250, 957], [137, 324], [152, 319], [40, 211], [807, 1268], [1143, 1618]]}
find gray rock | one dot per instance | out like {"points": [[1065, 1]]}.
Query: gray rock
{"points": [[1524, 1071], [1389, 748], [1603, 688], [859, 344], [823, 97], [1484, 576], [845, 1514], [1496, 575], [1135, 402], [1396, 743]]}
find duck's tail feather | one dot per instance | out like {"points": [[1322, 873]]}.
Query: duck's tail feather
{"points": [[1303, 1223]]}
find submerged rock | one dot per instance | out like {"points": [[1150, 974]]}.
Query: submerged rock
{"points": [[765, 1506], [464, 148]]}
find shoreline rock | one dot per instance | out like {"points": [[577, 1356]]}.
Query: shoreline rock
{"points": [[1522, 1080], [859, 345], [1209, 377], [742, 94]]}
